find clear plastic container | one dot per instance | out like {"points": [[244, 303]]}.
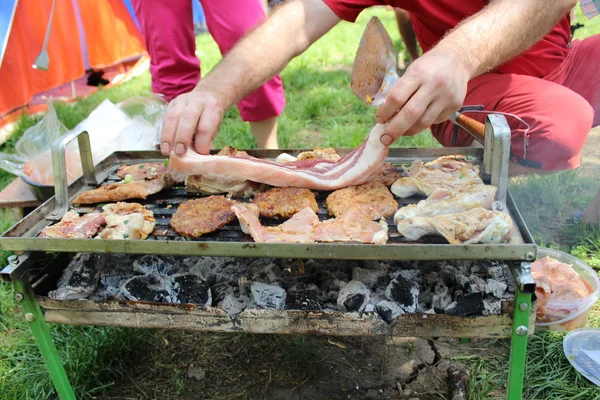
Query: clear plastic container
{"points": [[566, 315]]}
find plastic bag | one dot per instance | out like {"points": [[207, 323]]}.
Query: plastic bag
{"points": [[133, 124]]}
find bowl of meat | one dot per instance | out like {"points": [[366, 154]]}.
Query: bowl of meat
{"points": [[566, 290], [42, 192]]}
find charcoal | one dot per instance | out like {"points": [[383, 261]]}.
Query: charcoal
{"points": [[495, 272], [432, 278], [189, 288], [377, 265], [307, 300], [448, 274], [81, 277], [404, 292], [265, 271], [411, 275], [233, 305], [332, 294], [462, 282], [368, 276], [220, 290], [268, 296], [388, 310], [495, 288], [471, 304], [353, 297], [148, 287], [302, 287], [441, 298], [150, 264]]}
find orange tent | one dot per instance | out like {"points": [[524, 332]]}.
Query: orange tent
{"points": [[84, 35]]}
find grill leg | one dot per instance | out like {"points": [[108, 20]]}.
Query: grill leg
{"points": [[518, 347], [35, 318]]}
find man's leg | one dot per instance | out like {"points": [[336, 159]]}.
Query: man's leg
{"points": [[559, 118], [168, 30], [228, 21]]}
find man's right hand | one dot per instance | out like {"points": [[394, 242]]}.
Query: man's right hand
{"points": [[192, 119]]}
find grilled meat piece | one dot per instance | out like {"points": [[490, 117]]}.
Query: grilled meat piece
{"points": [[387, 175], [477, 225], [305, 227], [125, 191], [285, 202], [127, 221], [448, 172], [74, 226], [149, 171], [371, 196], [217, 184], [222, 184], [444, 201], [197, 217], [328, 154]]}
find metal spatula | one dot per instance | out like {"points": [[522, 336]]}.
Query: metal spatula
{"points": [[375, 73], [42, 61]]}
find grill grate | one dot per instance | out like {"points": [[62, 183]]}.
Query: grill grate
{"points": [[164, 204]]}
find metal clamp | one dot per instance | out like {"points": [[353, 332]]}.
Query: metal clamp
{"points": [[59, 169], [524, 278], [496, 153]]}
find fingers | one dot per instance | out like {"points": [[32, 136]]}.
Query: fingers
{"points": [[188, 121], [396, 99], [207, 128], [408, 117], [170, 126]]}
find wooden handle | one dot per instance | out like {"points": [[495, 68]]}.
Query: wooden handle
{"points": [[473, 127]]}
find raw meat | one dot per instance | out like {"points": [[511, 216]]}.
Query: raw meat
{"points": [[74, 226], [127, 221], [448, 172], [353, 169], [149, 171], [124, 191], [557, 281], [285, 202], [477, 225], [305, 227], [444, 201], [197, 217], [373, 197]]}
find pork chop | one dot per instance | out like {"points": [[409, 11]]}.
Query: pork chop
{"points": [[285, 202], [127, 221], [444, 201], [74, 226], [197, 217], [305, 227], [477, 225], [149, 171], [449, 172], [387, 175], [125, 190], [374, 197]]}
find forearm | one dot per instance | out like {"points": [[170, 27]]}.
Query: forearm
{"points": [[265, 51], [501, 31]]}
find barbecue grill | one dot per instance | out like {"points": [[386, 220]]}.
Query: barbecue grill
{"points": [[32, 272]]}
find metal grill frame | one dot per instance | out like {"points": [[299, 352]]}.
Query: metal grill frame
{"points": [[22, 236]]}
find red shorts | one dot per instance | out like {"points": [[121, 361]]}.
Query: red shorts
{"points": [[561, 109]]}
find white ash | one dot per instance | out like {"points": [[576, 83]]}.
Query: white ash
{"points": [[368, 276], [495, 288], [81, 279], [389, 310], [151, 264], [353, 297], [441, 298], [233, 305], [268, 296]]}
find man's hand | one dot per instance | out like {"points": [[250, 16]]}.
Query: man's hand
{"points": [[431, 90], [191, 119]]}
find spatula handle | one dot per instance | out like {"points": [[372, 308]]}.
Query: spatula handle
{"points": [[473, 127]]}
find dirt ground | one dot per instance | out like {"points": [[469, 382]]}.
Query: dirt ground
{"points": [[216, 366]]}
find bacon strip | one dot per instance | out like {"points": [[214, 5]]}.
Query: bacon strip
{"points": [[353, 169]]}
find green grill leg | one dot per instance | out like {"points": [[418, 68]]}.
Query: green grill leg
{"points": [[518, 348], [35, 318]]}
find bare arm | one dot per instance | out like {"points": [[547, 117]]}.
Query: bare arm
{"points": [[435, 85], [255, 59]]}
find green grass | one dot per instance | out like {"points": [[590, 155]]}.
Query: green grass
{"points": [[321, 111]]}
